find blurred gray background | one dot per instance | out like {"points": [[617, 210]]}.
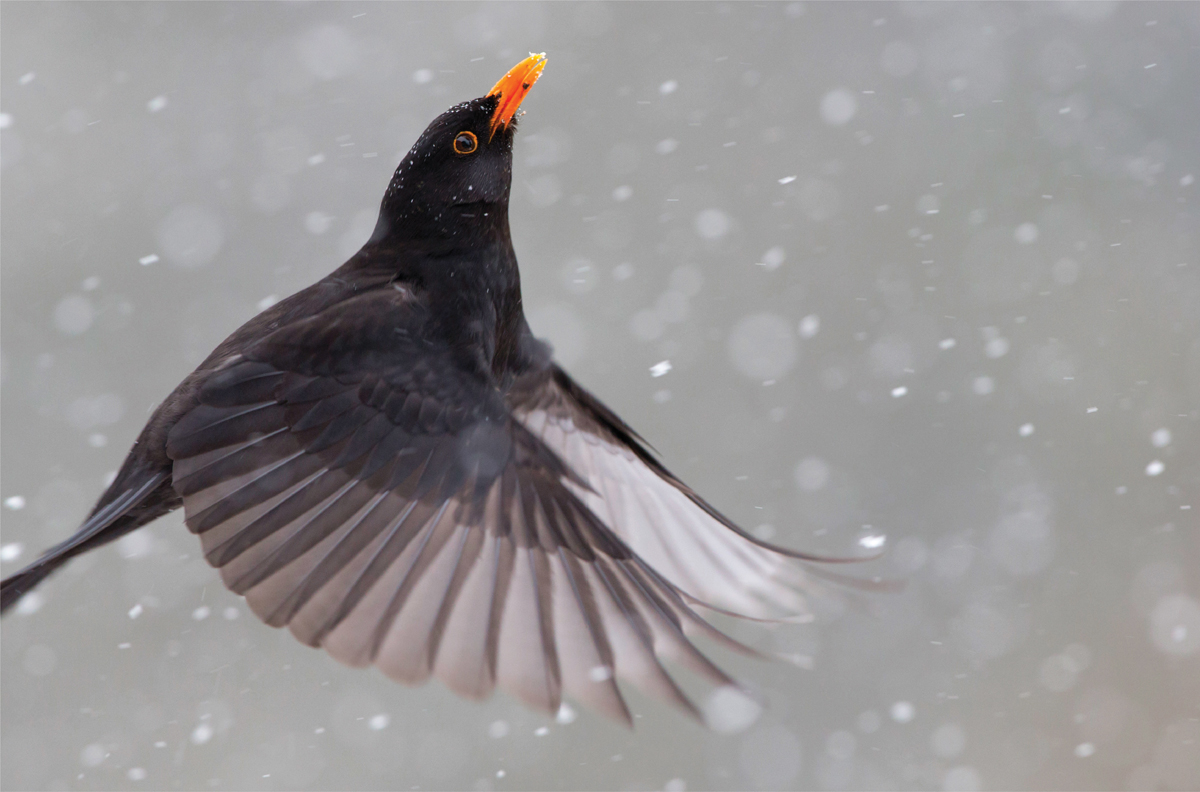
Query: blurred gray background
{"points": [[922, 271]]}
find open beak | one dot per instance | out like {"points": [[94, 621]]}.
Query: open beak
{"points": [[512, 89]]}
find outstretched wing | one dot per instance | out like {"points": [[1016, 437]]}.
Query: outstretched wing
{"points": [[363, 487], [692, 545]]}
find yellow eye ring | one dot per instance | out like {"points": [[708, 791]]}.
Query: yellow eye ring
{"points": [[465, 143]]}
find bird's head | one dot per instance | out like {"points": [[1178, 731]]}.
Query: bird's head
{"points": [[456, 178]]}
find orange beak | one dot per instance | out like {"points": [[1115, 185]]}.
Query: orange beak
{"points": [[512, 89]]}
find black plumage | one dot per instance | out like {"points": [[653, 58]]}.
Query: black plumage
{"points": [[392, 466]]}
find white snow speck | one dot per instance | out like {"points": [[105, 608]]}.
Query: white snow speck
{"points": [[566, 714], [622, 193], [1059, 672], [92, 755], [982, 386], [379, 722], [27, 78], [675, 785], [1092, 410], [903, 712], [31, 603], [1175, 625], [811, 474], [579, 275], [668, 87], [660, 368], [996, 348], [14, 502], [230, 613], [5, 120], [422, 76], [899, 391], [712, 224], [787, 180], [765, 531], [809, 326], [600, 673], [11, 551], [135, 611], [1084, 750], [201, 613], [500, 774], [498, 729], [541, 731], [190, 235], [729, 710], [1026, 430], [146, 261], [317, 222], [773, 258], [136, 774], [156, 104], [666, 146], [963, 778], [1155, 467], [1160, 438], [268, 301], [136, 545], [316, 159], [73, 315], [872, 541], [947, 343], [1026, 233], [1187, 180], [202, 734], [838, 107]]}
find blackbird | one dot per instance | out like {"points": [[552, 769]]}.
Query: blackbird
{"points": [[390, 464]]}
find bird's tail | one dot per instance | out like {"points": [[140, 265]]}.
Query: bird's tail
{"points": [[15, 586], [130, 509]]}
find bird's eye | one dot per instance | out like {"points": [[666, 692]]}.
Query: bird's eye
{"points": [[465, 143]]}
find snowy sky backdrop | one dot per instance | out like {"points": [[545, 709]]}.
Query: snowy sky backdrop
{"points": [[922, 271]]}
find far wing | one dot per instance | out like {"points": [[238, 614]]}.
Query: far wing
{"points": [[663, 521], [364, 488]]}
